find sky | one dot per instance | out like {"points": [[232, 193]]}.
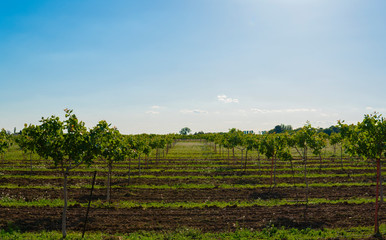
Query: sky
{"points": [[210, 65]]}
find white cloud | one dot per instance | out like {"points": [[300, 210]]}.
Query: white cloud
{"points": [[372, 109], [152, 112], [225, 99], [196, 111], [288, 110]]}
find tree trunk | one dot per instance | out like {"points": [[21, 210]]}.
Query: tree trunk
{"points": [[139, 165], [376, 225], [293, 178], [380, 182], [271, 171], [110, 166], [242, 155], [30, 160], [341, 157], [274, 172], [65, 175], [128, 174], [245, 162], [305, 173], [305, 179]]}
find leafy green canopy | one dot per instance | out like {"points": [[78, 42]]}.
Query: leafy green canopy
{"points": [[367, 138]]}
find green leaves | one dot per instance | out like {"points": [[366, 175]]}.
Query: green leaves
{"points": [[367, 138], [108, 142], [269, 145], [27, 139], [66, 142], [5, 141], [234, 138]]}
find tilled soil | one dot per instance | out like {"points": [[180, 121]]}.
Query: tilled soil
{"points": [[112, 220], [194, 195]]}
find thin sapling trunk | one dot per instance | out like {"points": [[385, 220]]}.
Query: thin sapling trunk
{"points": [[65, 175], [377, 205], [108, 197]]}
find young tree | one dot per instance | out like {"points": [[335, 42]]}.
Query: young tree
{"points": [[5, 142], [284, 144], [157, 142], [68, 144], [336, 138], [259, 149], [317, 144], [219, 138], [169, 139], [304, 139], [27, 141], [110, 146], [269, 149], [249, 142], [234, 139], [140, 146], [368, 139]]}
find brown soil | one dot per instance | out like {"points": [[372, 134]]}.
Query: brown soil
{"points": [[194, 195], [207, 219]]}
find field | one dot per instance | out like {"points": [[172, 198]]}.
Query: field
{"points": [[192, 192]]}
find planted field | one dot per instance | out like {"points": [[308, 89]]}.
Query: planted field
{"points": [[192, 187]]}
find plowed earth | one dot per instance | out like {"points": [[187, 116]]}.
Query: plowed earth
{"points": [[194, 195], [206, 219]]}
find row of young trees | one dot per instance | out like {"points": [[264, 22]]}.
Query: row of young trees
{"points": [[366, 139], [69, 144]]}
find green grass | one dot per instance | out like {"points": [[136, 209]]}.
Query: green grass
{"points": [[197, 170], [270, 232], [247, 186], [12, 202], [184, 177], [193, 186], [255, 203]]}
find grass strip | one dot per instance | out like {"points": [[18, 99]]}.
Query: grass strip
{"points": [[193, 186], [270, 232], [204, 170], [11, 202], [298, 175], [244, 186]]}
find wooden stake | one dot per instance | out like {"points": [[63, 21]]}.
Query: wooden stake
{"points": [[89, 203]]}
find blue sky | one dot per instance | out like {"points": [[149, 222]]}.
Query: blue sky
{"points": [[210, 65]]}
